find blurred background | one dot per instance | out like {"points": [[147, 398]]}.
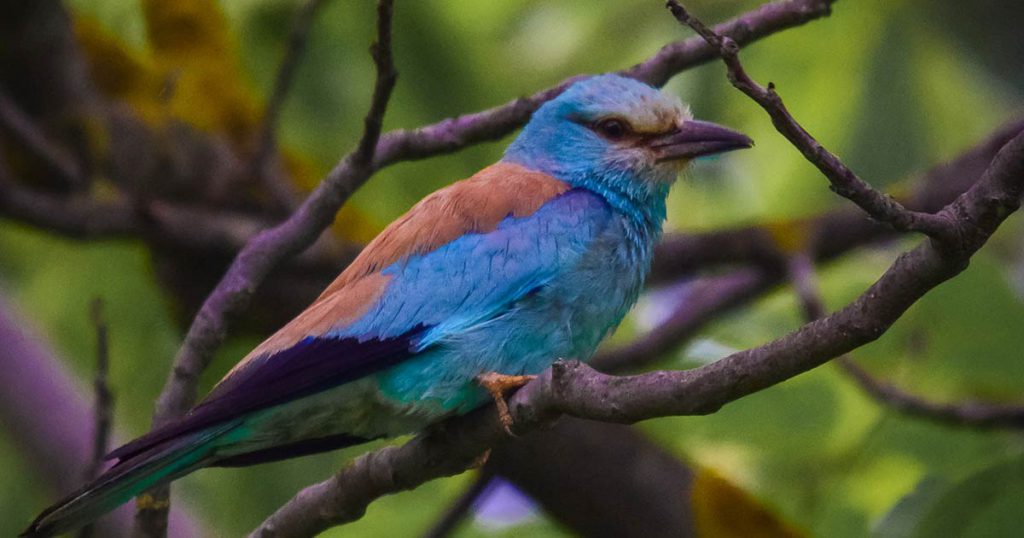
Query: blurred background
{"points": [[893, 87]]}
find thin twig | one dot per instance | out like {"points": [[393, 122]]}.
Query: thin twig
{"points": [[974, 414], [50, 421], [457, 511], [266, 161], [842, 180], [256, 260], [456, 133], [971, 414], [104, 399]]}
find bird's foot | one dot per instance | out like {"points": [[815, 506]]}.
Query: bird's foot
{"points": [[498, 384]]}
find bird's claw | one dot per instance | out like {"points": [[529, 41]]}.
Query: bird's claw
{"points": [[497, 385]]}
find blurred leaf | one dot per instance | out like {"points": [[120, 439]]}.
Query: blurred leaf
{"points": [[722, 510], [987, 503]]}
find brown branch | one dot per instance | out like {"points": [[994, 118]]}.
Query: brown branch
{"points": [[103, 400], [575, 389], [842, 180], [266, 161], [255, 261]]}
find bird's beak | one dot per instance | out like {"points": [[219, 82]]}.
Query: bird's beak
{"points": [[696, 139]]}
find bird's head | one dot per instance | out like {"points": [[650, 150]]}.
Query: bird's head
{"points": [[618, 136]]}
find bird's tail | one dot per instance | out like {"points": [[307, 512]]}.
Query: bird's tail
{"points": [[156, 466]]}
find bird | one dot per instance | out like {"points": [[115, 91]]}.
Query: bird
{"points": [[476, 289]]}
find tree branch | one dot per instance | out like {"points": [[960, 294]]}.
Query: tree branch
{"points": [[103, 400], [50, 420], [266, 161], [574, 389], [256, 260], [973, 414], [842, 180], [457, 133]]}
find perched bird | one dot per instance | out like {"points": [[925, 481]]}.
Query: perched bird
{"points": [[478, 286]]}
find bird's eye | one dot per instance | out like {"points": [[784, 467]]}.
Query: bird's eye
{"points": [[612, 128]]}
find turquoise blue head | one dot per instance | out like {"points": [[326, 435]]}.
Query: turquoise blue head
{"points": [[620, 137]]}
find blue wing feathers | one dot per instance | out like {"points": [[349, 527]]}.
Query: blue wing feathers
{"points": [[431, 296], [313, 365]]}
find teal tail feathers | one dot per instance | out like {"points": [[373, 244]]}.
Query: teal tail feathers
{"points": [[158, 465]]}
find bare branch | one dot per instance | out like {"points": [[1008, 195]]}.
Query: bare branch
{"points": [[457, 133], [266, 162], [49, 419], [973, 414], [575, 389], [103, 400], [842, 180], [255, 261], [970, 414]]}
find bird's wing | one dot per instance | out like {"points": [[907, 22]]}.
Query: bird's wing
{"points": [[459, 257]]}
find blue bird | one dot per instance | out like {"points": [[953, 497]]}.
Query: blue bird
{"points": [[480, 285]]}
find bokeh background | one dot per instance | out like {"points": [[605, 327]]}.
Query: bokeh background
{"points": [[892, 86]]}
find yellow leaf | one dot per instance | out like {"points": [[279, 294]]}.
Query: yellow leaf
{"points": [[722, 510]]}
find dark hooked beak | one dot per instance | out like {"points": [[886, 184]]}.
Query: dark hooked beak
{"points": [[696, 139]]}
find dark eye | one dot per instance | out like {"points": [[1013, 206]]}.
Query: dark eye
{"points": [[612, 128]]}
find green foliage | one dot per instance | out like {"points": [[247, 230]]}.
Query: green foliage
{"points": [[986, 503], [884, 84]]}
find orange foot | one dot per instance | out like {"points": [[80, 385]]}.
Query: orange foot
{"points": [[498, 384]]}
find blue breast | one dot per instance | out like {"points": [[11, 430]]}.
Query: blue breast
{"points": [[512, 301]]}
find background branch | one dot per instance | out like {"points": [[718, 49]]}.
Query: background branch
{"points": [[51, 421], [103, 399], [266, 161], [973, 414]]}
